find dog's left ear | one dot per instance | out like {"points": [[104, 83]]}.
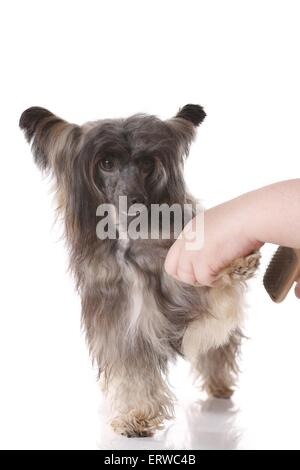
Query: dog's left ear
{"points": [[192, 113], [184, 124]]}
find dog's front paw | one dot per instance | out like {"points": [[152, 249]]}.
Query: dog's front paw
{"points": [[136, 424], [241, 269]]}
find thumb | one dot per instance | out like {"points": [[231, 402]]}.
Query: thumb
{"points": [[297, 290]]}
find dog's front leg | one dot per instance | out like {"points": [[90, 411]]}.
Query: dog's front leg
{"points": [[140, 399]]}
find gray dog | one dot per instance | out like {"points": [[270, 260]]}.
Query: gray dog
{"points": [[135, 316]]}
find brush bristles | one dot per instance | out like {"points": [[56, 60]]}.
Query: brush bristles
{"points": [[281, 273]]}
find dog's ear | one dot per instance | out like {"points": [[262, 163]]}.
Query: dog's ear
{"points": [[184, 124], [192, 113], [52, 138]]}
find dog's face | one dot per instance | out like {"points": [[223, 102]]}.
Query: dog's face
{"points": [[135, 158], [140, 157]]}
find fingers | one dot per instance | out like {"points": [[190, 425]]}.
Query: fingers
{"points": [[187, 266], [297, 290], [185, 272], [204, 276], [172, 259], [178, 263]]}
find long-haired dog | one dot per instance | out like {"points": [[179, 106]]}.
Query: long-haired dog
{"points": [[136, 317]]}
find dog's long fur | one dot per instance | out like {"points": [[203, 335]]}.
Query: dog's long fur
{"points": [[135, 316]]}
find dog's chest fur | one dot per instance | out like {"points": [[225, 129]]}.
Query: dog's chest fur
{"points": [[131, 305], [142, 312]]}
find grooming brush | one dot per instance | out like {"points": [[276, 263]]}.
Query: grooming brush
{"points": [[282, 273]]}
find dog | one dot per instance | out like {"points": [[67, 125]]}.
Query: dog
{"points": [[137, 318]]}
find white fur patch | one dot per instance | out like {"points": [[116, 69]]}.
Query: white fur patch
{"points": [[144, 317], [136, 299], [213, 330]]}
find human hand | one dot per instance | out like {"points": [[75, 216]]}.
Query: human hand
{"points": [[224, 241], [236, 228]]}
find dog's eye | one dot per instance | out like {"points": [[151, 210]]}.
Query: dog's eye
{"points": [[147, 165], [107, 164]]}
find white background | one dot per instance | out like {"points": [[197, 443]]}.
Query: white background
{"points": [[91, 59]]}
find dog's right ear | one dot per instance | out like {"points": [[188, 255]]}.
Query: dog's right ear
{"points": [[52, 138]]}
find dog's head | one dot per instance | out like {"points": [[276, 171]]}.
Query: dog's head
{"points": [[140, 157]]}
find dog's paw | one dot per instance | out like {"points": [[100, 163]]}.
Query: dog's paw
{"points": [[241, 269], [136, 424], [221, 391]]}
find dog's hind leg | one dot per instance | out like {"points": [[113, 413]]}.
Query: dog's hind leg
{"points": [[219, 367]]}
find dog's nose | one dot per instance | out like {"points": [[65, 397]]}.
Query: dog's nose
{"points": [[135, 199]]}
